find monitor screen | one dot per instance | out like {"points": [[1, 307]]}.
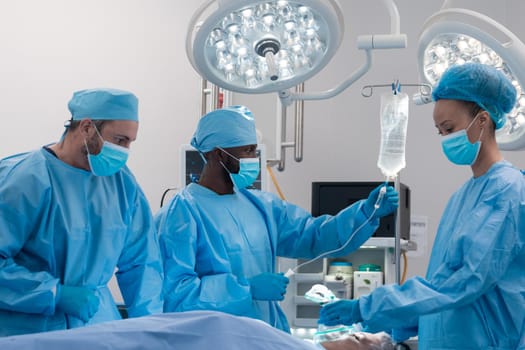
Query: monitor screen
{"points": [[331, 197]]}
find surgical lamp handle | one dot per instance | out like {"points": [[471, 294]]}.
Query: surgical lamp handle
{"points": [[382, 41]]}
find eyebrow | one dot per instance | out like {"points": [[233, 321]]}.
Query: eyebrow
{"points": [[125, 137], [443, 122]]}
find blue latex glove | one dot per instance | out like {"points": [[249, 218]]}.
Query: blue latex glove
{"points": [[387, 205], [79, 302], [340, 312], [268, 286]]}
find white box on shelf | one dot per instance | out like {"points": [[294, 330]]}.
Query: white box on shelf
{"points": [[366, 281]]}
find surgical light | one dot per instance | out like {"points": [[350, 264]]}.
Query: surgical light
{"points": [[263, 46], [456, 36]]}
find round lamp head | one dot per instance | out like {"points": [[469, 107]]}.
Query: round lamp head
{"points": [[458, 36], [263, 46]]}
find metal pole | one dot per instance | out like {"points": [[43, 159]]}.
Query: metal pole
{"points": [[204, 93], [280, 167], [215, 92], [397, 243], [299, 124]]}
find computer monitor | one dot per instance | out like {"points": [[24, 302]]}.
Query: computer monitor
{"points": [[191, 164], [331, 197]]}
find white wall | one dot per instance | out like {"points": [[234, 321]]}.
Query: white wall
{"points": [[48, 49]]}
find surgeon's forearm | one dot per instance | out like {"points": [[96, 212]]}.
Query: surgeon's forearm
{"points": [[26, 291]]}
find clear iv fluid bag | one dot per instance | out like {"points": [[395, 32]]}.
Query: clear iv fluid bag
{"points": [[394, 120]]}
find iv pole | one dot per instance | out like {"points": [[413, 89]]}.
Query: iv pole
{"points": [[367, 91], [397, 239]]}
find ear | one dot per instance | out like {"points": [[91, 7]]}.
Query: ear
{"points": [[219, 155], [86, 128], [484, 119], [212, 156]]}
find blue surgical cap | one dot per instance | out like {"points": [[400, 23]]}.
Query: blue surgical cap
{"points": [[488, 87], [226, 127], [104, 104]]}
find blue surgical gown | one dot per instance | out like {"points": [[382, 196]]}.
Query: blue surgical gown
{"points": [[473, 296], [61, 224], [212, 244]]}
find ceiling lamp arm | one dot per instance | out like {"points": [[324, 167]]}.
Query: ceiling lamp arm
{"points": [[287, 98], [446, 4], [394, 40], [395, 21]]}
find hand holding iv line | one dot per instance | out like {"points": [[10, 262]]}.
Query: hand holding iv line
{"points": [[375, 201], [394, 120]]}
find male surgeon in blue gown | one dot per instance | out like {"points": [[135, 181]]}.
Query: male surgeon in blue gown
{"points": [[220, 240], [72, 212]]}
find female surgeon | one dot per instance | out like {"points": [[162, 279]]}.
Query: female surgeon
{"points": [[473, 296]]}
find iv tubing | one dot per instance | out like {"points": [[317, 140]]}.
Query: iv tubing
{"points": [[275, 183], [405, 266], [382, 192]]}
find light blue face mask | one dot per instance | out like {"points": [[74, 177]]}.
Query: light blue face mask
{"points": [[458, 148], [249, 169], [109, 160]]}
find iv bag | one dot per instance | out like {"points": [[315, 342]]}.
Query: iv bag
{"points": [[394, 120]]}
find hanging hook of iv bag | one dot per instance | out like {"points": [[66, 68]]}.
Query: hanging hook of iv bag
{"points": [[394, 120]]}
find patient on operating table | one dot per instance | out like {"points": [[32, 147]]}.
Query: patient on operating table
{"points": [[186, 330], [362, 341]]}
